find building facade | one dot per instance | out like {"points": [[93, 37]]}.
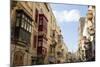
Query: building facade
{"points": [[81, 49], [87, 36], [34, 34], [21, 32]]}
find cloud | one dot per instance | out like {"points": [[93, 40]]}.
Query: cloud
{"points": [[67, 16]]}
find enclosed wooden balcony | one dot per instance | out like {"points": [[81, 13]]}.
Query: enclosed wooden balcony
{"points": [[91, 30], [90, 15]]}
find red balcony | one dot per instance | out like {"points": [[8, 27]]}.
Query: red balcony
{"points": [[42, 23], [42, 51]]}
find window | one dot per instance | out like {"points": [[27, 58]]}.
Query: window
{"points": [[44, 51], [23, 21], [27, 28], [18, 16], [45, 25], [23, 26], [35, 41], [40, 20], [39, 50], [30, 28], [40, 40], [24, 36], [44, 42], [23, 16], [36, 15], [42, 23], [40, 43], [18, 22]]}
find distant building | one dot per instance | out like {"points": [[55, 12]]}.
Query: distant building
{"points": [[81, 52], [87, 36]]}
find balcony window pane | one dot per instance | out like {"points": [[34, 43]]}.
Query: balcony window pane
{"points": [[17, 22], [22, 23]]}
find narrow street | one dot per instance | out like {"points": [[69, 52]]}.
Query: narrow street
{"points": [[45, 33]]}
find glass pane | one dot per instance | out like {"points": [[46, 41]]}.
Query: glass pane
{"points": [[25, 26], [22, 23], [18, 14], [28, 20], [30, 28], [23, 16], [17, 21], [40, 43]]}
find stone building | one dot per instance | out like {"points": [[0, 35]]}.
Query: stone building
{"points": [[87, 40], [31, 42], [90, 52], [81, 49], [21, 32], [61, 50], [34, 33]]}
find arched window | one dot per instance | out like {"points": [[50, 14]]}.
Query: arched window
{"points": [[18, 58]]}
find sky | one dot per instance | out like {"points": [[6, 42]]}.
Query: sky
{"points": [[67, 17]]}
